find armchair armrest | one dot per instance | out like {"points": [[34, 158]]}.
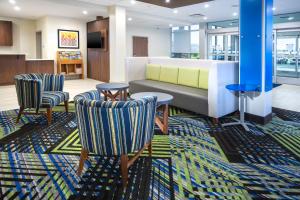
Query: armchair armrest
{"points": [[54, 82]]}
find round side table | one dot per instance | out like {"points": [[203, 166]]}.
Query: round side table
{"points": [[242, 89], [163, 101], [107, 89]]}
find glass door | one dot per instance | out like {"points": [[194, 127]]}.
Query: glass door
{"points": [[287, 57], [223, 46], [233, 47]]}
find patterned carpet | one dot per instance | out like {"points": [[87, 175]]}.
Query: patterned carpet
{"points": [[197, 160]]}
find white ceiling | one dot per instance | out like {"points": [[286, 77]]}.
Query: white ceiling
{"points": [[141, 13]]}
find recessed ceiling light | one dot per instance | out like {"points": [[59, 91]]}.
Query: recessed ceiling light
{"points": [[84, 12], [17, 8], [175, 11], [132, 2], [12, 1], [206, 6], [170, 25], [205, 18], [291, 18], [274, 8], [235, 14], [129, 19], [168, 1]]}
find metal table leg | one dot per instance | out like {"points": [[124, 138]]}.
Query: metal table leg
{"points": [[242, 115]]}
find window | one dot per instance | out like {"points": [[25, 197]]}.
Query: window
{"points": [[185, 42]]}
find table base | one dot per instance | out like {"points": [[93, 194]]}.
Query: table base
{"points": [[163, 123], [239, 122], [121, 94]]}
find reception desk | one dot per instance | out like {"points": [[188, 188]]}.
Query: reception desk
{"points": [[13, 64]]}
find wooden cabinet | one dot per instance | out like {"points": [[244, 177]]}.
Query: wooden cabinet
{"points": [[11, 65], [39, 66], [6, 33], [98, 59]]}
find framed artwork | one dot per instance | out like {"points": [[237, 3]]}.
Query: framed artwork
{"points": [[68, 39]]}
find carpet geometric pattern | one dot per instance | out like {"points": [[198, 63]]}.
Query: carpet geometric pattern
{"points": [[197, 160]]}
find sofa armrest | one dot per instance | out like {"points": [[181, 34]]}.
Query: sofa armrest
{"points": [[136, 68], [220, 100]]}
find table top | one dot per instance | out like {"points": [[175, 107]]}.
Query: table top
{"points": [[162, 98], [112, 86], [243, 87]]}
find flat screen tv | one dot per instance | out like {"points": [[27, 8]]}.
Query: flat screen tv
{"points": [[94, 40]]}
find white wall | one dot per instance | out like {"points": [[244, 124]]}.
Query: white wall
{"points": [[158, 40], [49, 27], [23, 38]]}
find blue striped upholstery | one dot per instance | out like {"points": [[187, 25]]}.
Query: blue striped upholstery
{"points": [[54, 82], [40, 90], [29, 92], [114, 127], [51, 99]]}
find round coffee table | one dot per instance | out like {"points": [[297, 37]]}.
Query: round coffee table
{"points": [[163, 101], [107, 90]]}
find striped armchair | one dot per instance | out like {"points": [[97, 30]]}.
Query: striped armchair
{"points": [[114, 128], [37, 91]]}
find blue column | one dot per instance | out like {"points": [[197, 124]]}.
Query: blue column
{"points": [[256, 22]]}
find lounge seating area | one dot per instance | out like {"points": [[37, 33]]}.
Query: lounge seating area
{"points": [[149, 100], [199, 82]]}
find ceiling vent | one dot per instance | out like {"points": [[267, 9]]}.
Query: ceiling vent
{"points": [[197, 15]]}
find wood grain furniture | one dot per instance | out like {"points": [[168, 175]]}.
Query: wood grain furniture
{"points": [[98, 64], [6, 33], [163, 101], [113, 91], [70, 63], [39, 66], [106, 128], [12, 65], [35, 91]]}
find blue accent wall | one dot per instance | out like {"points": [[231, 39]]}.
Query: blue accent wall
{"points": [[252, 40], [269, 45]]}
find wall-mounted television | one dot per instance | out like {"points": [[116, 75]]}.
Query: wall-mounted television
{"points": [[94, 40]]}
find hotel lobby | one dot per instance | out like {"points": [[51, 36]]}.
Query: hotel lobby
{"points": [[149, 99]]}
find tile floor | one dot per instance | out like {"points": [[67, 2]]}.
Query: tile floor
{"points": [[285, 96]]}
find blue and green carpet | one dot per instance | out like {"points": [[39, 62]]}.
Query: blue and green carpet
{"points": [[197, 160]]}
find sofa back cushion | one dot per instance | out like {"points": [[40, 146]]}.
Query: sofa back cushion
{"points": [[203, 78], [188, 76], [153, 72], [169, 74]]}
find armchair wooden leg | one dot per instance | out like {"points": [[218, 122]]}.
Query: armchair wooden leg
{"points": [[20, 113], [49, 115], [67, 106], [83, 156], [124, 169], [215, 120], [150, 149]]}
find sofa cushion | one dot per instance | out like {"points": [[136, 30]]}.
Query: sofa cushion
{"points": [[188, 98], [203, 78], [152, 72], [169, 74], [188, 77]]}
